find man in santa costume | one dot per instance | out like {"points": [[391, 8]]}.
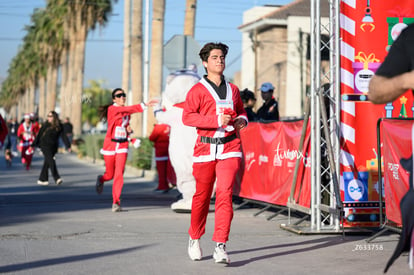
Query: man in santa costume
{"points": [[26, 134], [215, 108]]}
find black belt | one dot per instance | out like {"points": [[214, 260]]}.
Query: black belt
{"points": [[217, 140], [120, 140]]}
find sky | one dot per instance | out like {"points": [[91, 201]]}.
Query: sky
{"points": [[216, 21]]}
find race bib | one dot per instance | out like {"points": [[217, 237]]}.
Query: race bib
{"points": [[120, 133], [27, 135], [221, 105]]}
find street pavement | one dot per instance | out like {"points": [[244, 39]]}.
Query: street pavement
{"points": [[69, 229]]}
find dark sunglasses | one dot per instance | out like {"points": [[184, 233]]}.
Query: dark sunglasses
{"points": [[120, 95]]}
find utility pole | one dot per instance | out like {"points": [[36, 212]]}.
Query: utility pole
{"points": [[155, 79], [255, 46], [145, 80], [136, 64], [189, 21], [126, 66]]}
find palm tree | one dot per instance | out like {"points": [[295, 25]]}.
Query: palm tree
{"points": [[136, 64], [45, 49], [83, 15], [45, 39], [24, 71], [155, 75], [57, 46]]}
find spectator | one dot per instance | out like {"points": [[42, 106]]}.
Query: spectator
{"points": [[8, 156], [270, 108], [396, 74], [249, 100], [13, 126], [3, 131], [48, 141], [68, 131], [391, 80]]}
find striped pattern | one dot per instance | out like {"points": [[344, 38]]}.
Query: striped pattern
{"points": [[348, 119]]}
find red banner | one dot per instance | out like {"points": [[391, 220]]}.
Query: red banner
{"points": [[397, 144], [368, 28], [270, 154]]}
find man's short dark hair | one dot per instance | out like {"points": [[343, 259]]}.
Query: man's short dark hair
{"points": [[205, 51]]}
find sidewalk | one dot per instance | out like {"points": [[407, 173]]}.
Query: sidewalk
{"points": [[69, 229]]}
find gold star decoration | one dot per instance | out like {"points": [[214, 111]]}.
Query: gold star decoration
{"points": [[403, 100]]}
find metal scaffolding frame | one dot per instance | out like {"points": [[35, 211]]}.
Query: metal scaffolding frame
{"points": [[326, 207]]}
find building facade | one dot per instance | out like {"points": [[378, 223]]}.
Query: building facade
{"points": [[275, 48]]}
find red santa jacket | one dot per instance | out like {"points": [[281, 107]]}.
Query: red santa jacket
{"points": [[202, 110], [27, 134], [116, 139], [160, 136]]}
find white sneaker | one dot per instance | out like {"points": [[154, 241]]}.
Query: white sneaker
{"points": [[182, 206], [42, 182], [59, 181], [194, 250], [116, 208], [220, 254]]}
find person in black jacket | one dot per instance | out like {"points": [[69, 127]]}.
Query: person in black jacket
{"points": [[48, 141], [270, 108], [249, 100]]}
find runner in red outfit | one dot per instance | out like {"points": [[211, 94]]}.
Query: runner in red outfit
{"points": [[115, 147], [215, 108], [27, 133], [160, 136]]}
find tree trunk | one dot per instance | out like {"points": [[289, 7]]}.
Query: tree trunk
{"points": [[32, 91], [50, 90], [13, 111], [67, 90], [77, 79], [155, 76], [64, 110], [76, 67], [136, 65], [53, 83], [189, 22], [20, 108], [42, 98]]}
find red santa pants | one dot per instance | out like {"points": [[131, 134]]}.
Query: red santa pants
{"points": [[114, 169], [26, 159], [205, 174], [166, 174]]}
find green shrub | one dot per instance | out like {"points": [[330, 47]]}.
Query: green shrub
{"points": [[142, 156], [90, 145]]}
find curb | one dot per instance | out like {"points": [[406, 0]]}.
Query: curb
{"points": [[142, 173]]}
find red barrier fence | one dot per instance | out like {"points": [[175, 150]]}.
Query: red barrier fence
{"points": [[397, 144], [270, 153]]}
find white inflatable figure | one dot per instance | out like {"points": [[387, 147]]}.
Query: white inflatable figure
{"points": [[182, 137]]}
